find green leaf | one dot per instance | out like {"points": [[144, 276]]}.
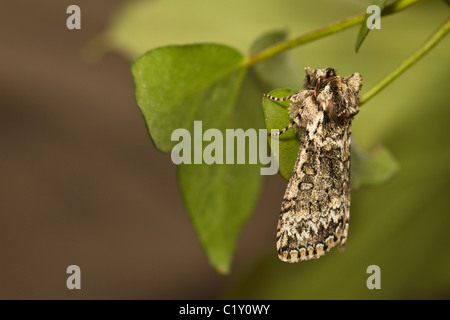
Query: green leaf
{"points": [[276, 117], [280, 71], [177, 85], [366, 169], [371, 169], [364, 30], [219, 200]]}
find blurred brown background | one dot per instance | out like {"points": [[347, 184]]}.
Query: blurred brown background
{"points": [[81, 182]]}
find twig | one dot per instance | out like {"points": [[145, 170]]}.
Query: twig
{"points": [[427, 46]]}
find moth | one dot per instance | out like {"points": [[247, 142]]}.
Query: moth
{"points": [[315, 209]]}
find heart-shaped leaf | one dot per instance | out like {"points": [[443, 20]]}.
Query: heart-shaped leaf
{"points": [[177, 85]]}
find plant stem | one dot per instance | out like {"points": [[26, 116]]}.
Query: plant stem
{"points": [[323, 32], [427, 46], [308, 37]]}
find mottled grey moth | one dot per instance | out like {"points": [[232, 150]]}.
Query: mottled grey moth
{"points": [[316, 206]]}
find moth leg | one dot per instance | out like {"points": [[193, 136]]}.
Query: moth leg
{"points": [[278, 99], [297, 118], [281, 131]]}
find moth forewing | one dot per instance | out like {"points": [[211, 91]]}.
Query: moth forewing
{"points": [[316, 206]]}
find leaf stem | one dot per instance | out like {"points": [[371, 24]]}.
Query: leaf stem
{"points": [[323, 32], [427, 46]]}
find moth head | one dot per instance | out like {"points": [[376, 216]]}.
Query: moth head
{"points": [[315, 77]]}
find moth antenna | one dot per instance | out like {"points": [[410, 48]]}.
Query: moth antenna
{"points": [[277, 99]]}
